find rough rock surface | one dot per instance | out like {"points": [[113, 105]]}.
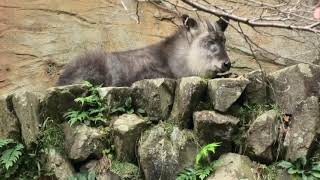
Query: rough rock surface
{"points": [[156, 97], [164, 151], [262, 135], [210, 126], [115, 96], [224, 92], [188, 94], [232, 167], [303, 131], [27, 107], [39, 37], [58, 100], [58, 164], [290, 86], [82, 141], [127, 131], [256, 90], [9, 127]]}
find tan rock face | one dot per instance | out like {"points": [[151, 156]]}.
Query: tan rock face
{"points": [[38, 37]]}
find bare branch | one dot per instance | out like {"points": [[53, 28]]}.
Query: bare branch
{"points": [[257, 22]]}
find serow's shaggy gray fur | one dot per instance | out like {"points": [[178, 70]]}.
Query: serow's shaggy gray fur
{"points": [[197, 48]]}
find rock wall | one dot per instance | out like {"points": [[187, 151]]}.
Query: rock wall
{"points": [[37, 38], [163, 140]]}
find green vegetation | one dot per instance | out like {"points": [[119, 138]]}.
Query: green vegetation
{"points": [[18, 163], [247, 114], [203, 165], [11, 151], [126, 108], [302, 169], [84, 176], [168, 127], [51, 136], [93, 111], [267, 172], [125, 170]]}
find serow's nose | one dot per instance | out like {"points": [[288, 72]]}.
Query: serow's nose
{"points": [[227, 65]]}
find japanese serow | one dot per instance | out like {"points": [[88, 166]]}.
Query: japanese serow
{"points": [[196, 49]]}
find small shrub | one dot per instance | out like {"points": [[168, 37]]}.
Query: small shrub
{"points": [[125, 170], [302, 169], [92, 110], [267, 172], [247, 114], [203, 166], [11, 151], [51, 136], [18, 163], [84, 176]]}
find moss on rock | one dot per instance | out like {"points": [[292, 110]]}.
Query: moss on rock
{"points": [[125, 170]]}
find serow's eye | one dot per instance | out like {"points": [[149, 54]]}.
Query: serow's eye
{"points": [[213, 47]]}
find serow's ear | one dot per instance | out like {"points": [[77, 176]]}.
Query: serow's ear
{"points": [[223, 23], [189, 22]]}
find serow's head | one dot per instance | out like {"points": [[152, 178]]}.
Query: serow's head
{"points": [[207, 55]]}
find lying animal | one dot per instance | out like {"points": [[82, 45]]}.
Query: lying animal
{"points": [[196, 49]]}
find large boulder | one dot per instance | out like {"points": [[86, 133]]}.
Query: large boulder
{"points": [[58, 100], [58, 164], [234, 166], [105, 169], [82, 141], [9, 123], [164, 151], [27, 108], [188, 94], [127, 130], [155, 97], [256, 90], [210, 126], [125, 171], [115, 97], [263, 135], [291, 85], [224, 92], [303, 130]]}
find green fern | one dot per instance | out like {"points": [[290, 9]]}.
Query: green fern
{"points": [[10, 156], [10, 152], [91, 110], [84, 176], [126, 108], [204, 152], [301, 168], [200, 170], [4, 142], [187, 174]]}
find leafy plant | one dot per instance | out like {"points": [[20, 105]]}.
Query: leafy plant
{"points": [[301, 168], [203, 166], [84, 176], [205, 151], [127, 107], [11, 151], [247, 113], [92, 109], [17, 162], [51, 136]]}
